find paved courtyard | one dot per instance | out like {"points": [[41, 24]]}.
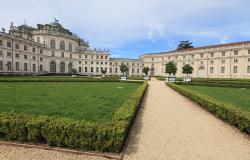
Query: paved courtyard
{"points": [[169, 126]]}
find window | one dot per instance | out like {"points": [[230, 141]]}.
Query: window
{"points": [[153, 59], [17, 55], [70, 56], [1, 65], [17, 46], [9, 54], [53, 44], [92, 56], [248, 59], [34, 57], [17, 66], [184, 57], [80, 69], [192, 56], [34, 67], [38, 39], [25, 56], [1, 42], [9, 65], [25, 48], [97, 69], [97, 62], [62, 54], [248, 69], [9, 44], [235, 53], [223, 61], [222, 69], [62, 45], [110, 70], [86, 69], [212, 54], [106, 57], [201, 62], [101, 62], [86, 62], [1, 53], [138, 70], [223, 54], [41, 59], [116, 70], [33, 50], [41, 51], [248, 51], [92, 62], [79, 62], [86, 56], [79, 55], [106, 63], [70, 47], [202, 55], [41, 67], [25, 67], [235, 60], [97, 57], [92, 69], [235, 69], [101, 57], [53, 53], [212, 61], [211, 70], [133, 70]]}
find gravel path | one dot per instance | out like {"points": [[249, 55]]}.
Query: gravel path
{"points": [[20, 153], [171, 127]]}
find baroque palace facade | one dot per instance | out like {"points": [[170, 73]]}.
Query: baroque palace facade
{"points": [[52, 49]]}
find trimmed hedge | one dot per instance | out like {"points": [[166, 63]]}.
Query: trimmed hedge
{"points": [[64, 132], [214, 84], [225, 111]]}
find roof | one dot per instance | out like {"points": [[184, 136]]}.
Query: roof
{"points": [[204, 47]]}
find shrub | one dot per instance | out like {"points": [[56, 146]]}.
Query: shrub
{"points": [[227, 112], [107, 136]]}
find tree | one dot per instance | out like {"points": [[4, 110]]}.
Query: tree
{"points": [[73, 71], [103, 71], [145, 70], [187, 69], [185, 45], [170, 68], [123, 69]]}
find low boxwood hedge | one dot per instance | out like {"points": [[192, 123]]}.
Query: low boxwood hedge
{"points": [[215, 84], [225, 111], [64, 132]]}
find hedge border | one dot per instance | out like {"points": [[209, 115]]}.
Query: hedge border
{"points": [[225, 111], [214, 85], [64, 132]]}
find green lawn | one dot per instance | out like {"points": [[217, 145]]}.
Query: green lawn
{"points": [[92, 101], [236, 96]]}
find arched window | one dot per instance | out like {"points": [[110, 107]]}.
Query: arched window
{"points": [[53, 44], [70, 67], [62, 45], [62, 67], [52, 67], [70, 47]]}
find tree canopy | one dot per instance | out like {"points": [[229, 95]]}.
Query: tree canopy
{"points": [[170, 68], [124, 68], [185, 45], [145, 70], [187, 69]]}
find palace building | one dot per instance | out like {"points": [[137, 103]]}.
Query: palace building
{"points": [[52, 49]]}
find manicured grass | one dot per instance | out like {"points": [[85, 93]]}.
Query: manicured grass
{"points": [[94, 101], [236, 96]]}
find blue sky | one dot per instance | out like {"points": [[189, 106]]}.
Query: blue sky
{"points": [[129, 28]]}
